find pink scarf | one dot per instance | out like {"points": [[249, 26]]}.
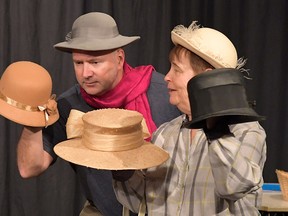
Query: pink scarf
{"points": [[130, 93]]}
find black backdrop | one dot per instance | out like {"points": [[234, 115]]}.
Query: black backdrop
{"points": [[29, 28]]}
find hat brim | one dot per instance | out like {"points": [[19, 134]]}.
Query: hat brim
{"points": [[27, 118], [95, 44], [177, 39], [236, 116], [146, 156]]}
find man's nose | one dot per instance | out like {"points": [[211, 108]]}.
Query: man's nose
{"points": [[87, 71]]}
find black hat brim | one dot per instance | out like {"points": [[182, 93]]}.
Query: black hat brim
{"points": [[232, 116]]}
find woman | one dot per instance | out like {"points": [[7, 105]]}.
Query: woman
{"points": [[205, 175]]}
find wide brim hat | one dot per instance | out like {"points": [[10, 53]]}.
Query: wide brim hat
{"points": [[219, 92], [109, 139], [210, 44], [26, 95], [94, 31]]}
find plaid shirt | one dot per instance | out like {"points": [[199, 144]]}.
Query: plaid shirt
{"points": [[223, 177]]}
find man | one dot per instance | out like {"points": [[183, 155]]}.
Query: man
{"points": [[217, 155], [105, 80]]}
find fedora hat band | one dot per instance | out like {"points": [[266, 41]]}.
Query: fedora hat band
{"points": [[115, 139], [93, 33], [50, 108]]}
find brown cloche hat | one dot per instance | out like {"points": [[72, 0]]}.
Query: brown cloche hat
{"points": [[94, 31], [219, 92], [25, 95], [110, 139]]}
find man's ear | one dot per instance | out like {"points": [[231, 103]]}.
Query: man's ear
{"points": [[120, 56]]}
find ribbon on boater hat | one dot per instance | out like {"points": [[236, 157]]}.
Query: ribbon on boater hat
{"points": [[94, 141]]}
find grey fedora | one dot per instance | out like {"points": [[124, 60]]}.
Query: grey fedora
{"points": [[219, 92], [94, 31]]}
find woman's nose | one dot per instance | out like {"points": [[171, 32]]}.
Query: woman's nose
{"points": [[167, 76]]}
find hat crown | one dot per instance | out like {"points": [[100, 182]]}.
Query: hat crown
{"points": [[94, 25], [210, 44], [217, 46], [26, 82], [217, 77], [113, 118], [119, 129], [219, 92]]}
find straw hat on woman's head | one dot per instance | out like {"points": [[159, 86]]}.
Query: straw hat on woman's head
{"points": [[210, 44]]}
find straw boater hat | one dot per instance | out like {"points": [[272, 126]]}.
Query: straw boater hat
{"points": [[223, 89], [210, 44], [25, 95], [110, 139], [94, 31]]}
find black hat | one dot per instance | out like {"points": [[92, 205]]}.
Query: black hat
{"points": [[219, 92]]}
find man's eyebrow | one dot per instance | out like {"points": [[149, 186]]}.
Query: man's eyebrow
{"points": [[94, 58]]}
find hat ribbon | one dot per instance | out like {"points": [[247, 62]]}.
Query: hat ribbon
{"points": [[74, 125], [49, 109], [106, 139]]}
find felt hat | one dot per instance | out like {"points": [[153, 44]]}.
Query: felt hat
{"points": [[94, 31], [210, 44], [110, 139], [25, 95], [219, 92]]}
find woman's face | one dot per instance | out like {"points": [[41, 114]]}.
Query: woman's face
{"points": [[177, 78]]}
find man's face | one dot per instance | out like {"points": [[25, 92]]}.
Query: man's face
{"points": [[177, 78], [98, 71]]}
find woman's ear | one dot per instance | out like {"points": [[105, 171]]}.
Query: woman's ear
{"points": [[207, 69]]}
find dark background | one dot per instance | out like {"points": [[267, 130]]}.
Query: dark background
{"points": [[30, 28]]}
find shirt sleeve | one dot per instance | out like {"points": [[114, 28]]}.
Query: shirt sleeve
{"points": [[131, 192], [237, 161]]}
